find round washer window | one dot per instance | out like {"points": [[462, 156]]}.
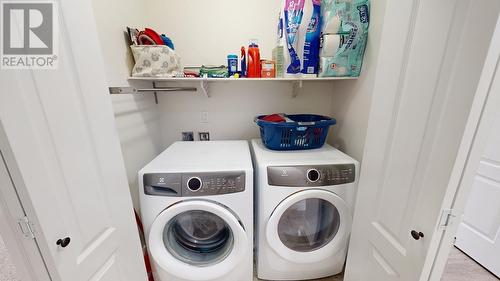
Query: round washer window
{"points": [[198, 238], [309, 225]]}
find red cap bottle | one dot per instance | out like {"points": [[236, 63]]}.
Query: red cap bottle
{"points": [[254, 67]]}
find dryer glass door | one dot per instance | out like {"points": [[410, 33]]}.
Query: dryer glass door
{"points": [[309, 225], [197, 240], [198, 237]]}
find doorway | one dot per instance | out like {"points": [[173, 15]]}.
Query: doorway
{"points": [[461, 267], [469, 248], [476, 248]]}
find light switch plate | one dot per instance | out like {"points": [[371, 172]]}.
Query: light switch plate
{"points": [[204, 117]]}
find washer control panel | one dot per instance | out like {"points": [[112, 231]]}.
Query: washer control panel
{"points": [[321, 175], [194, 184]]}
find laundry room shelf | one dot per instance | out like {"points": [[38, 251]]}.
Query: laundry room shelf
{"points": [[289, 79], [204, 82]]}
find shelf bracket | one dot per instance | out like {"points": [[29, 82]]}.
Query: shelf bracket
{"points": [[296, 85], [155, 93], [204, 87]]}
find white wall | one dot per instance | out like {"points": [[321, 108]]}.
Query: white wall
{"points": [[352, 102], [233, 106], [137, 118], [205, 32]]}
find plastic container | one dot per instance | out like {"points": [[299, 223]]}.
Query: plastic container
{"points": [[254, 68], [307, 131], [232, 64]]}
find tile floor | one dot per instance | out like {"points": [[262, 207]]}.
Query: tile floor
{"points": [[462, 268], [339, 277], [7, 269], [459, 268], [333, 278]]}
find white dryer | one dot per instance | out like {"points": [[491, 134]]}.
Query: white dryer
{"points": [[197, 209], [304, 208]]}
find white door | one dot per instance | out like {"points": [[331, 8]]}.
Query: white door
{"points": [[23, 259], [421, 99], [479, 232], [65, 156]]}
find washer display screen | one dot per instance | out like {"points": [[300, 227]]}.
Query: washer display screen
{"points": [[198, 238], [308, 225]]}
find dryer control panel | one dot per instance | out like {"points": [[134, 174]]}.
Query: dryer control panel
{"points": [[321, 175], [194, 184]]}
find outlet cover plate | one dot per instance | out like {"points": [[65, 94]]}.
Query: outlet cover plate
{"points": [[187, 136], [204, 136]]}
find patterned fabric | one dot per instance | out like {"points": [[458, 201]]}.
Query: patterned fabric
{"points": [[155, 61]]}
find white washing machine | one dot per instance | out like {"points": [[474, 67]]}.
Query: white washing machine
{"points": [[304, 209], [197, 210]]}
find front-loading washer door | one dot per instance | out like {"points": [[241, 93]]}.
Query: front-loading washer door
{"points": [[309, 226], [197, 240]]}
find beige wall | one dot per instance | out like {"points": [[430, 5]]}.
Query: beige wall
{"points": [[204, 32], [229, 24], [233, 106], [137, 118], [351, 105]]}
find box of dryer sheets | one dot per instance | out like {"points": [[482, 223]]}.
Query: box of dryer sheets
{"points": [[299, 30], [344, 33], [278, 58]]}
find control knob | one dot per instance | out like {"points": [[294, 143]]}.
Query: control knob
{"points": [[194, 184], [313, 175]]}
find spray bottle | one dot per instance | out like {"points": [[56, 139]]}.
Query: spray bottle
{"points": [[243, 62]]}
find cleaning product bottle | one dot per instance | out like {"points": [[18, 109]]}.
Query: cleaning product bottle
{"points": [[232, 64], [254, 67], [243, 62]]}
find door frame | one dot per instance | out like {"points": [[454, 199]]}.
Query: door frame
{"points": [[16, 207], [482, 116]]}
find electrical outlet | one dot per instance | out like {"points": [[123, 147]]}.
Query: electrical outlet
{"points": [[204, 117], [204, 136], [187, 136]]}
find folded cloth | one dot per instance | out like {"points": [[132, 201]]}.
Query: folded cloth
{"points": [[149, 37], [274, 118]]}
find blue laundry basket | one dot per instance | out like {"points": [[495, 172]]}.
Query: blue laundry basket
{"points": [[308, 131]]}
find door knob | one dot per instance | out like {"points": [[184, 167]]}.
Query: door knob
{"points": [[417, 235], [63, 242]]}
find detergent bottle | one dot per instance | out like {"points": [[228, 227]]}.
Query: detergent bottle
{"points": [[254, 67]]}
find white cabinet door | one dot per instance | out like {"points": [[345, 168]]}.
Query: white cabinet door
{"points": [[421, 99], [60, 131], [479, 233]]}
